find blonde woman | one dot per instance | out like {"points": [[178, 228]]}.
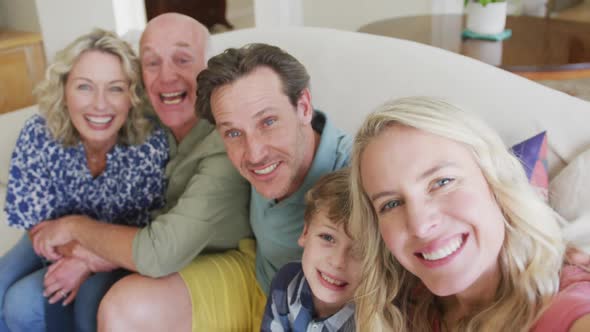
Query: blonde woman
{"points": [[90, 152], [454, 238]]}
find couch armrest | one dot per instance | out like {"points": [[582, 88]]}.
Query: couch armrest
{"points": [[10, 126], [8, 235]]}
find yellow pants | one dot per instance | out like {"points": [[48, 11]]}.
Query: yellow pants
{"points": [[224, 292]]}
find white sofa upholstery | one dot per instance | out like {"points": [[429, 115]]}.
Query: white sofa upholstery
{"points": [[10, 125], [352, 73]]}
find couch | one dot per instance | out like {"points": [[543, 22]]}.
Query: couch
{"points": [[352, 73]]}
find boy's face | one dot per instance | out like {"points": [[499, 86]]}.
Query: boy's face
{"points": [[329, 265]]}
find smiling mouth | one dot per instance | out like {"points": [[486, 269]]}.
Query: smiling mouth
{"points": [[173, 98], [445, 251], [332, 281], [99, 120], [266, 170]]}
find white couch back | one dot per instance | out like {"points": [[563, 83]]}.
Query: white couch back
{"points": [[352, 73]]}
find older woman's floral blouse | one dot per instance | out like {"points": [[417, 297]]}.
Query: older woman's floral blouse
{"points": [[48, 180]]}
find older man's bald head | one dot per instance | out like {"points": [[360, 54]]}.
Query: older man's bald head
{"points": [[173, 51], [173, 24]]}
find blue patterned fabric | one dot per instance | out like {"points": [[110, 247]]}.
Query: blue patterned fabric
{"points": [[290, 306], [48, 180]]}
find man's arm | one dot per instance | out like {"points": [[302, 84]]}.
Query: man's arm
{"points": [[212, 211], [92, 260], [212, 208], [111, 242]]}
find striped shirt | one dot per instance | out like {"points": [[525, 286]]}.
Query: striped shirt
{"points": [[290, 306]]}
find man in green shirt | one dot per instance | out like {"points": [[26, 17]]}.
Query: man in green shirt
{"points": [[207, 200]]}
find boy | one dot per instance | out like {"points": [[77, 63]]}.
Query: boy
{"points": [[318, 291]]}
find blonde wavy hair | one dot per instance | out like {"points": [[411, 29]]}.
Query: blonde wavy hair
{"points": [[390, 298], [51, 91]]}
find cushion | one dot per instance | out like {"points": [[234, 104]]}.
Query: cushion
{"points": [[569, 194], [10, 125], [533, 155], [8, 235], [570, 188]]}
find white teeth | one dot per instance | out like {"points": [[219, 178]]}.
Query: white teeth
{"points": [[444, 251], [99, 119], [172, 101], [172, 98], [267, 169], [171, 94], [330, 280]]}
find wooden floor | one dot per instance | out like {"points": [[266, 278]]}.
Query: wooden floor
{"points": [[575, 87], [577, 13]]}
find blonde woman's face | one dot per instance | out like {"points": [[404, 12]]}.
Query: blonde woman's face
{"points": [[97, 97], [436, 212]]}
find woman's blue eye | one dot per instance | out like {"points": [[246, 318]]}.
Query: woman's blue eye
{"points": [[83, 87], [327, 237], [390, 205], [269, 122], [117, 89], [443, 182]]}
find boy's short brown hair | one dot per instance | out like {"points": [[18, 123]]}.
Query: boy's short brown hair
{"points": [[330, 195]]}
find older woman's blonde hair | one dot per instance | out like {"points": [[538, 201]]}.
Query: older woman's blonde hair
{"points": [[51, 91], [390, 298]]}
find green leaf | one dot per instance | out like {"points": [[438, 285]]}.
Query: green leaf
{"points": [[483, 2]]}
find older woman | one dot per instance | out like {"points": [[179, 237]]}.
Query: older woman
{"points": [[91, 152], [453, 235]]}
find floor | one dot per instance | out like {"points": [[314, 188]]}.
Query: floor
{"points": [[578, 87], [577, 13]]}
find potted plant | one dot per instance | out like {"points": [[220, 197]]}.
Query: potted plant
{"points": [[486, 17]]}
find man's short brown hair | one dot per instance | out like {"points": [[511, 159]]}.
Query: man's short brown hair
{"points": [[330, 195], [235, 63]]}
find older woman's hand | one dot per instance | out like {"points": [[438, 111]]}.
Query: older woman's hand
{"points": [[47, 235], [63, 280]]}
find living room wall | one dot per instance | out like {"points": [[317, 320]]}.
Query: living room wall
{"points": [[352, 14], [49, 17], [116, 15], [19, 15]]}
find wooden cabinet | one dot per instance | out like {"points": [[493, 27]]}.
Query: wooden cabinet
{"points": [[208, 12], [22, 65]]}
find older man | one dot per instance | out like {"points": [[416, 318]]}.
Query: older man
{"points": [[207, 200]]}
